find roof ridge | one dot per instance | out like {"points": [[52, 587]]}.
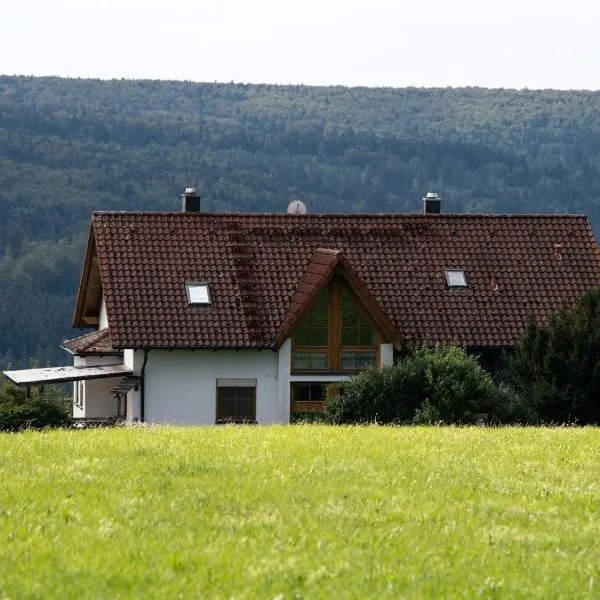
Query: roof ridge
{"points": [[323, 215]]}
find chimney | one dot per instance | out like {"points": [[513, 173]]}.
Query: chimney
{"points": [[432, 204], [190, 201]]}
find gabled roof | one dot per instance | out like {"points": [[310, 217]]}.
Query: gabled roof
{"points": [[96, 342], [254, 265], [321, 269]]}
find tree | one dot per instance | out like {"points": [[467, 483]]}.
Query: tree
{"points": [[556, 368]]}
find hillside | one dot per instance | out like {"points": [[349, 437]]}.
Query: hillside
{"points": [[68, 147]]}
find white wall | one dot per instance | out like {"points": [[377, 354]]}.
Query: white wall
{"points": [[180, 386], [98, 400], [94, 396], [284, 363], [134, 359], [96, 361]]}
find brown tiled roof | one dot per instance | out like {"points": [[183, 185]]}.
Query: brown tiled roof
{"points": [[515, 266], [96, 342]]}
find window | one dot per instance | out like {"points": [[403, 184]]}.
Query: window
{"points": [[335, 334], [456, 278], [236, 400], [198, 293], [311, 338], [359, 341], [309, 397]]}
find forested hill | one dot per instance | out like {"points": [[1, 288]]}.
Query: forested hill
{"points": [[68, 147]]}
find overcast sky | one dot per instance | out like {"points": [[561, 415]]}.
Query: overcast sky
{"points": [[513, 43]]}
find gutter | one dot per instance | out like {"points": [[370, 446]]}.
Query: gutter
{"points": [[142, 386]]}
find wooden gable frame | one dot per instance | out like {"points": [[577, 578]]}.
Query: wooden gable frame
{"points": [[89, 294], [324, 265]]}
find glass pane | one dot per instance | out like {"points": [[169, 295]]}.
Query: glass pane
{"points": [[355, 360], [225, 403], [310, 361], [367, 359], [366, 337], [300, 392], [245, 404], [308, 392], [317, 337], [318, 360], [355, 328], [302, 336], [349, 360], [317, 392], [350, 337], [301, 360], [198, 293], [456, 278], [313, 329]]}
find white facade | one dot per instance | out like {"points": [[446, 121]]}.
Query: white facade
{"points": [[180, 386], [92, 398]]}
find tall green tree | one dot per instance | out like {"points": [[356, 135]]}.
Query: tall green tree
{"points": [[556, 368]]}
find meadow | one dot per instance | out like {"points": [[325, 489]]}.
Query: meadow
{"points": [[300, 512]]}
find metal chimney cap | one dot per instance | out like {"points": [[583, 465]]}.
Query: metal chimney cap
{"points": [[190, 191], [431, 195]]}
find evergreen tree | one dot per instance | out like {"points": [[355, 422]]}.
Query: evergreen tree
{"points": [[556, 368]]}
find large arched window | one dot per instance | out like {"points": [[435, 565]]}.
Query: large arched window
{"points": [[335, 334]]}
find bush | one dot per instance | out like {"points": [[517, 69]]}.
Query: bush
{"points": [[429, 385], [459, 387], [19, 412]]}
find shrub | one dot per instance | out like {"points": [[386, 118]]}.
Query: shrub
{"points": [[427, 414], [428, 385], [17, 411], [511, 406], [459, 387]]}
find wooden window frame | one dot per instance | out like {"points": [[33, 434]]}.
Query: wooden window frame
{"points": [[305, 406], [335, 348]]}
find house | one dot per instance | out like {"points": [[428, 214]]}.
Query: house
{"points": [[207, 318]]}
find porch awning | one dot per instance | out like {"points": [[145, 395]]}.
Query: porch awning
{"points": [[27, 377]]}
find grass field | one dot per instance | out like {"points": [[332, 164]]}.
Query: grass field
{"points": [[300, 512]]}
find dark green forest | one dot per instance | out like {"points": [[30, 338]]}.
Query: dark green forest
{"points": [[70, 146]]}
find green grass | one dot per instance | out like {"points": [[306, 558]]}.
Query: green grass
{"points": [[307, 511]]}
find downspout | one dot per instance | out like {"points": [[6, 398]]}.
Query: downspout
{"points": [[142, 386]]}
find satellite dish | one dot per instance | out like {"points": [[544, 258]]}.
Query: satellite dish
{"points": [[297, 207]]}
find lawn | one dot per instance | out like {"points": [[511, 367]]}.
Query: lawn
{"points": [[300, 512]]}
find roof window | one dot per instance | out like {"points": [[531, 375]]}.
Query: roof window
{"points": [[456, 278], [198, 294]]}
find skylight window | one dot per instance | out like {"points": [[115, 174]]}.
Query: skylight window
{"points": [[456, 278], [198, 294]]}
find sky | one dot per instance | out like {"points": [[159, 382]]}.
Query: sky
{"points": [[533, 44]]}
